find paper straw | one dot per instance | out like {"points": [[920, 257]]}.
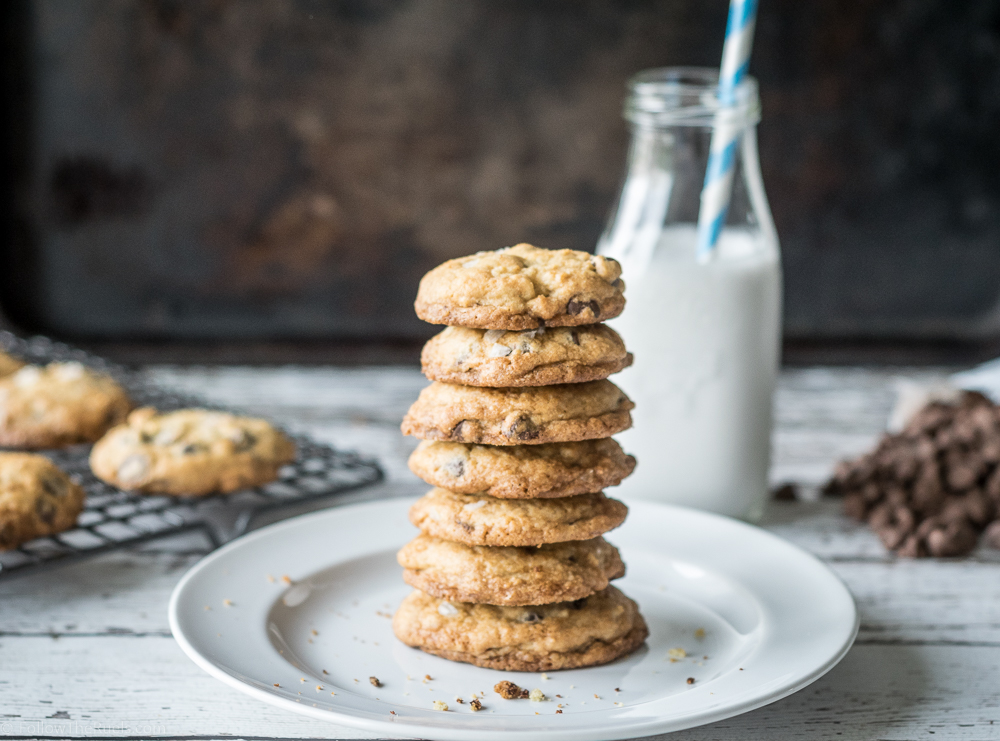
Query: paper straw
{"points": [[726, 129]]}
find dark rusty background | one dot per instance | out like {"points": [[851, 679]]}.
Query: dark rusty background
{"points": [[233, 168]]}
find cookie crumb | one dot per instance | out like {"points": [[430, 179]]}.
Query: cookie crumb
{"points": [[510, 691], [286, 578], [392, 712], [375, 681], [559, 712], [314, 632], [227, 602], [536, 695], [700, 633], [333, 693], [596, 697], [459, 700], [302, 679], [618, 689], [326, 672], [269, 578], [559, 696], [276, 684], [690, 680], [677, 653], [428, 677], [440, 705], [319, 687], [545, 676], [476, 705], [620, 704]]}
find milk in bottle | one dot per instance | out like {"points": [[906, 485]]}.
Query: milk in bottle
{"points": [[705, 334]]}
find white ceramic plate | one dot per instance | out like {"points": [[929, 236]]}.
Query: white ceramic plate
{"points": [[757, 618]]}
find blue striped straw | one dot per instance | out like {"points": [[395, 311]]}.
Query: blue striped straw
{"points": [[725, 132]]}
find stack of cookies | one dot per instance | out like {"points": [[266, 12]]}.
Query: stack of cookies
{"points": [[510, 569]]}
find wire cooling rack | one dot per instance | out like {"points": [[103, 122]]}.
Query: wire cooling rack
{"points": [[113, 518]]}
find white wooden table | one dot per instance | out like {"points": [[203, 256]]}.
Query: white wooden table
{"points": [[85, 650]]}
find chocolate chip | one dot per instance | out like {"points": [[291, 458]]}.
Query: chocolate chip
{"points": [[531, 617], [459, 431], [578, 604], [45, 510], [991, 536], [54, 485], [912, 547], [464, 525], [785, 493], [575, 336], [522, 428], [245, 442], [455, 468], [618, 283], [955, 539], [577, 307], [855, 506], [193, 448]]}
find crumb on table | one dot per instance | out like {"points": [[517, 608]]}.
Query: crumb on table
{"points": [[536, 695], [375, 681], [476, 705], [440, 705], [510, 691]]}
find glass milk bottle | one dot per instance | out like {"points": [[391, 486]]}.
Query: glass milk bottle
{"points": [[705, 334]]}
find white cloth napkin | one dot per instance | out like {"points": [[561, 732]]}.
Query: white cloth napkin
{"points": [[911, 397]]}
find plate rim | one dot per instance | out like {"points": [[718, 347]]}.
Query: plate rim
{"points": [[445, 733]]}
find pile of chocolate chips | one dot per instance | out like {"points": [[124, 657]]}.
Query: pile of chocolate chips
{"points": [[934, 487]]}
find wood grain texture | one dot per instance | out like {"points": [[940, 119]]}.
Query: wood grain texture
{"points": [[85, 650]]}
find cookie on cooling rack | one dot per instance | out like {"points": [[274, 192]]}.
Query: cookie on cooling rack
{"points": [[57, 405], [36, 499], [191, 452]]}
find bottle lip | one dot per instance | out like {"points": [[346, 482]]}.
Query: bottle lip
{"points": [[688, 96]]}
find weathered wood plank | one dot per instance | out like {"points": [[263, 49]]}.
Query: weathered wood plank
{"points": [[146, 687]]}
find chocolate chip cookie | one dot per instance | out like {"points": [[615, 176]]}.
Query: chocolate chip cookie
{"points": [[60, 404], [534, 575], [36, 499], [476, 519], [531, 357], [563, 635], [192, 452], [8, 364], [522, 287], [522, 471], [514, 416]]}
